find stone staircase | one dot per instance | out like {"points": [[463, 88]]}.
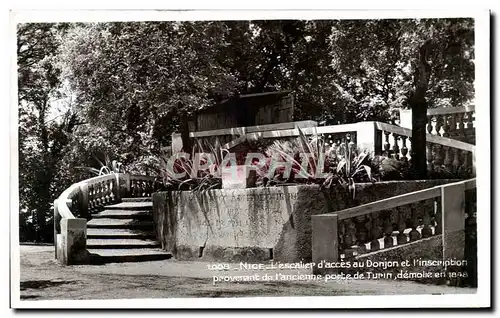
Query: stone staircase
{"points": [[124, 232]]}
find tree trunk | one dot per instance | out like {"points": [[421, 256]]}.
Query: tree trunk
{"points": [[419, 113], [418, 139], [186, 141]]}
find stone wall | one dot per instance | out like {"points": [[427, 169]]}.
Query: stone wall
{"points": [[258, 223]]}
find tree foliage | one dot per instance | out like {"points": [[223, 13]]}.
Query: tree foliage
{"points": [[376, 63], [41, 139]]}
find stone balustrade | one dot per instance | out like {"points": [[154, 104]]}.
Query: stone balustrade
{"points": [[456, 156], [75, 205], [452, 122], [445, 211], [450, 137]]}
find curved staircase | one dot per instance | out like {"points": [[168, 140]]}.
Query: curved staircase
{"points": [[124, 232]]}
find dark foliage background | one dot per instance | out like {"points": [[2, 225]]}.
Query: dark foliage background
{"points": [[89, 89]]}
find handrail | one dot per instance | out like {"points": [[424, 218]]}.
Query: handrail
{"points": [[349, 128], [389, 203], [238, 131], [450, 110], [396, 201], [61, 204], [66, 196]]}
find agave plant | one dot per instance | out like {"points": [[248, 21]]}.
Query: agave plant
{"points": [[353, 166], [294, 152], [107, 167], [194, 179]]}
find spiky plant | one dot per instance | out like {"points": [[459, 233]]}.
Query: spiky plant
{"points": [[107, 167]]}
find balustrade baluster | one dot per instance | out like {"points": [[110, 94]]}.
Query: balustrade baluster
{"points": [[342, 234], [149, 188], [96, 189], [426, 219], [98, 195], [350, 238], [388, 240], [102, 194], [351, 233], [447, 158], [395, 148], [465, 155], [456, 160], [361, 233], [401, 227], [387, 145], [404, 149], [111, 194], [409, 148], [141, 189], [369, 228], [438, 158], [437, 218], [376, 231], [107, 198], [446, 126], [429, 124], [470, 121], [90, 197], [461, 128], [439, 124], [429, 156], [133, 188], [94, 197], [414, 234], [453, 124]]}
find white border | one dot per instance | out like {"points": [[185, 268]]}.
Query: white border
{"points": [[481, 298], [165, 15]]}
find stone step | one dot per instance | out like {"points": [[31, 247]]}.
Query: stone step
{"points": [[121, 243], [120, 223], [103, 233], [122, 214], [127, 255], [130, 206], [137, 199]]}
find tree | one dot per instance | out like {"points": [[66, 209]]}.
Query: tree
{"points": [[384, 65], [138, 82], [40, 139]]}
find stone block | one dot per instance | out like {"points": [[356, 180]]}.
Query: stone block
{"points": [[238, 177], [325, 245], [73, 242]]}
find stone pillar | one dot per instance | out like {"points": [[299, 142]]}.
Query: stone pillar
{"points": [[238, 177], [453, 222], [73, 241], [474, 163], [176, 143], [368, 138], [325, 245], [405, 118], [57, 228]]}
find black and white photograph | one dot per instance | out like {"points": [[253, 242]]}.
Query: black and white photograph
{"points": [[185, 158]]}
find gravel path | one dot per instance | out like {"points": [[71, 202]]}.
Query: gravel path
{"points": [[43, 278]]}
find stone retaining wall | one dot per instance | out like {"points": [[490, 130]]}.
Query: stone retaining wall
{"points": [[259, 223]]}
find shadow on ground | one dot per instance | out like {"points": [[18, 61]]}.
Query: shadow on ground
{"points": [[42, 284]]}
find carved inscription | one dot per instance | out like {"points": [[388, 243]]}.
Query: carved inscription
{"points": [[236, 218]]}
